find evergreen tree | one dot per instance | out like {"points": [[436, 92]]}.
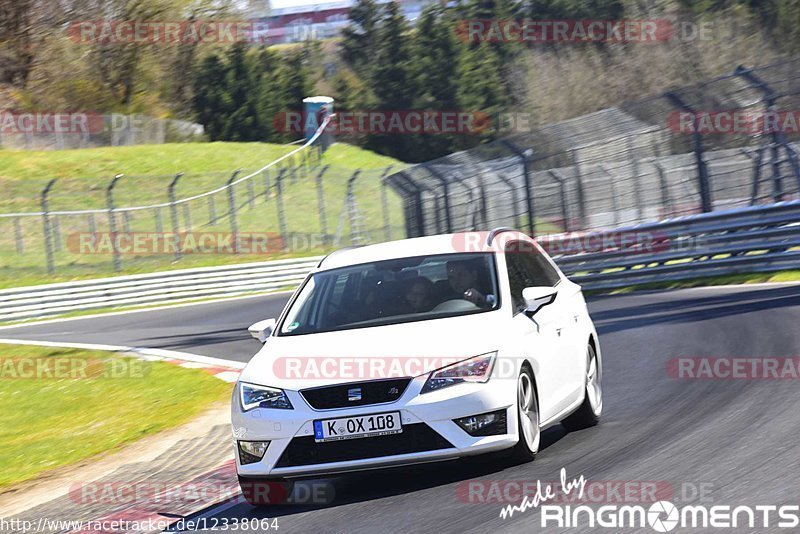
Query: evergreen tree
{"points": [[264, 67], [360, 38], [209, 101], [242, 122], [434, 72], [292, 87], [392, 82]]}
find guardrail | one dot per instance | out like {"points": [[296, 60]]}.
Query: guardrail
{"points": [[153, 289], [746, 240]]}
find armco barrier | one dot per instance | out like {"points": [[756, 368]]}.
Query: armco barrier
{"points": [[156, 288], [746, 240]]}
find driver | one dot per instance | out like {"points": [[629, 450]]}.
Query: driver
{"points": [[462, 278]]}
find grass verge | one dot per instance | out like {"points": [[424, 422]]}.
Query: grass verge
{"points": [[731, 279], [61, 406]]}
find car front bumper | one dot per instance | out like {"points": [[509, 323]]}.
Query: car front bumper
{"points": [[429, 432]]}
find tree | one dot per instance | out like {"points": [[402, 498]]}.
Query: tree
{"points": [[209, 100], [434, 72], [264, 67], [360, 38], [292, 88], [392, 84], [241, 97]]}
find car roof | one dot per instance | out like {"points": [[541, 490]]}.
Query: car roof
{"points": [[466, 242]]}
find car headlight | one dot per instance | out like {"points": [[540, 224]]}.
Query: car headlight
{"points": [[475, 369], [263, 397]]}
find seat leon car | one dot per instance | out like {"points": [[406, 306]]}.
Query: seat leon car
{"points": [[414, 351]]}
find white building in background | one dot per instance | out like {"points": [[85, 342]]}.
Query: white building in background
{"points": [[320, 21]]}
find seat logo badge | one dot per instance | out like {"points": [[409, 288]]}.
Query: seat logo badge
{"points": [[354, 394]]}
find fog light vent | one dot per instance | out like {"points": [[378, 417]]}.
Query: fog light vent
{"points": [[485, 424], [251, 452]]}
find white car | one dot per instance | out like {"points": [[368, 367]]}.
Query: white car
{"points": [[414, 351]]}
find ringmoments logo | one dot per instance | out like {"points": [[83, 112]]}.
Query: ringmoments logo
{"points": [[664, 516]]}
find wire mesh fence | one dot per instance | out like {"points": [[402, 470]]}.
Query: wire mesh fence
{"points": [[728, 142], [146, 223]]}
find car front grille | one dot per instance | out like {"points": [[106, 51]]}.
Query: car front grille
{"points": [[417, 437], [355, 394]]}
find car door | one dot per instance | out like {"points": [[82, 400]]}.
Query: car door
{"points": [[566, 307], [541, 335]]}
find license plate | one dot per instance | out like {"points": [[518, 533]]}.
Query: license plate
{"points": [[362, 426]]}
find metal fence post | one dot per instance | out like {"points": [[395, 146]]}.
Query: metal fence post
{"points": [[756, 173], [524, 156], [666, 202], [92, 224], [159, 222], [579, 186], [323, 219], [48, 245], [412, 204], [514, 199], [251, 194], [232, 208], [387, 228], [112, 222], [18, 236], [706, 203], [562, 189], [212, 211], [446, 196], [281, 214], [173, 212], [613, 183], [266, 185]]}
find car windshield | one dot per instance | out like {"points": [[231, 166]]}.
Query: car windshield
{"points": [[394, 291]]}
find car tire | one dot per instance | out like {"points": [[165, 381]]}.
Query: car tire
{"points": [[528, 432], [267, 491], [588, 414]]}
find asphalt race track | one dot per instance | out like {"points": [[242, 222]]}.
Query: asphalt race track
{"points": [[735, 439]]}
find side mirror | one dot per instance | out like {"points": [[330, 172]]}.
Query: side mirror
{"points": [[262, 329], [538, 297]]}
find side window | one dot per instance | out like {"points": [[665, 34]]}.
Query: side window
{"points": [[527, 267], [541, 270], [517, 279]]}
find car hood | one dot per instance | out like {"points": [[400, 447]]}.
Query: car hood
{"points": [[390, 351]]}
